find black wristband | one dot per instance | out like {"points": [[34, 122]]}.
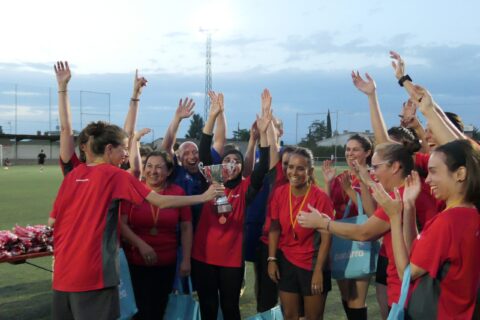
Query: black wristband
{"points": [[403, 79]]}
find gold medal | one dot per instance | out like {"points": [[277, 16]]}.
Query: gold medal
{"points": [[153, 231], [222, 220]]}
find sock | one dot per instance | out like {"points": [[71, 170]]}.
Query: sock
{"points": [[357, 314]]}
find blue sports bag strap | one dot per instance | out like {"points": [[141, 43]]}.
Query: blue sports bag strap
{"points": [[405, 287], [359, 204], [347, 209], [190, 287], [349, 206]]}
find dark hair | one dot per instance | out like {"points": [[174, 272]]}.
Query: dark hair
{"points": [[287, 149], [461, 153], [165, 156], [407, 137], [230, 146], [307, 154], [102, 134], [366, 144], [456, 120], [395, 152], [145, 151], [83, 138]]}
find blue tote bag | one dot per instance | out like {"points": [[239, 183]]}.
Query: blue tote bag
{"points": [[128, 307], [398, 309], [273, 314], [353, 259], [182, 306]]}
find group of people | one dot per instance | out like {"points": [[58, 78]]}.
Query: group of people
{"points": [[420, 189]]}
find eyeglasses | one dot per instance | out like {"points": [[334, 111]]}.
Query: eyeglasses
{"points": [[374, 167]]}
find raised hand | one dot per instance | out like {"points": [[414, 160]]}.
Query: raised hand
{"points": [[264, 121], [346, 181], [329, 172], [266, 101], [254, 134], [422, 98], [185, 108], [412, 188], [398, 65], [138, 84], [217, 103], [361, 172], [62, 72], [367, 87], [408, 116], [393, 207], [141, 133]]}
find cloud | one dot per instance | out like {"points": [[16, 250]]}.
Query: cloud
{"points": [[23, 93]]}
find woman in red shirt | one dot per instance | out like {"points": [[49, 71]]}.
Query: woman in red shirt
{"points": [[85, 277], [391, 164], [343, 190], [152, 236], [445, 256], [217, 254], [303, 270]]}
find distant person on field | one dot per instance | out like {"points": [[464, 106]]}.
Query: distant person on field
{"points": [[41, 159], [6, 163]]}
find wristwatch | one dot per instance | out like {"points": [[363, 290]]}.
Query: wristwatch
{"points": [[403, 79]]}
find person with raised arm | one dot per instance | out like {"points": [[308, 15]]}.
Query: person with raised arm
{"points": [[444, 257], [217, 254], [391, 163], [343, 190], [86, 273]]}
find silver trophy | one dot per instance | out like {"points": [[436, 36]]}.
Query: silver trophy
{"points": [[218, 173]]}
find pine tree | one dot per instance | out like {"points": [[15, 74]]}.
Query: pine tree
{"points": [[196, 127], [329, 125]]}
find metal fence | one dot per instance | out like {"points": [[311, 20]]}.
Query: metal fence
{"points": [[26, 109]]}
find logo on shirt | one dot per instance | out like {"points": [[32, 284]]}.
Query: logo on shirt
{"points": [[82, 180], [235, 195]]}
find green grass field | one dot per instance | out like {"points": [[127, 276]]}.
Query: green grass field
{"points": [[26, 197]]}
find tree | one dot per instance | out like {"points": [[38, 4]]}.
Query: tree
{"points": [[329, 125], [475, 133], [196, 127], [317, 131], [241, 134], [1, 130]]}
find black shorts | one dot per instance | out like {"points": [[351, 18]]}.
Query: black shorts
{"points": [[381, 275], [97, 304], [294, 279]]}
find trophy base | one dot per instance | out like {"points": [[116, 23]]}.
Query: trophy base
{"points": [[223, 208]]}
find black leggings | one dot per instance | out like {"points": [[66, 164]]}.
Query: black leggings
{"points": [[151, 286], [213, 282]]}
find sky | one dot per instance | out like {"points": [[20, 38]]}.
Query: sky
{"points": [[303, 51]]}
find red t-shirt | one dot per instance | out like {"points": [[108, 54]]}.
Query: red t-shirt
{"points": [[340, 198], [280, 179], [86, 226], [425, 209], [67, 167], [452, 236], [221, 244], [141, 221], [300, 251]]}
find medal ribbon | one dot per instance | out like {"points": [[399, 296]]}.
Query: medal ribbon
{"points": [[155, 214], [294, 222]]}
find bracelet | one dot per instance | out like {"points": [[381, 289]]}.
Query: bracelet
{"points": [[328, 225], [271, 259], [135, 100], [62, 91], [403, 79]]}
